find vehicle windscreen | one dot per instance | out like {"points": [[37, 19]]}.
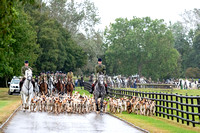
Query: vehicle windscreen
{"points": [[15, 81]]}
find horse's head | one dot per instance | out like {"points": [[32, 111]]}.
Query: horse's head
{"points": [[69, 81], [28, 74], [101, 79]]}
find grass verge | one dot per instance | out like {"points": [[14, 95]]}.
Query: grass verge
{"points": [[8, 104], [154, 124]]}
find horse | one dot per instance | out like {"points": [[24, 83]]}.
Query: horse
{"points": [[50, 85], [59, 86], [27, 90], [69, 87], [36, 90], [43, 86], [117, 82], [99, 92]]}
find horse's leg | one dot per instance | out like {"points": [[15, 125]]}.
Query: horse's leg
{"points": [[71, 89], [45, 89], [24, 102], [29, 100], [102, 98], [96, 101]]}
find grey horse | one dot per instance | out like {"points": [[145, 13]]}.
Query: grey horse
{"points": [[99, 92]]}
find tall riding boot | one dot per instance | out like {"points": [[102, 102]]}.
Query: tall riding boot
{"points": [[91, 91], [21, 83], [106, 86], [33, 84]]}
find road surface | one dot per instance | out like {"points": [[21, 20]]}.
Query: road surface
{"points": [[42, 122]]}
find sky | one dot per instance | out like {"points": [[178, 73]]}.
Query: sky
{"points": [[169, 10]]}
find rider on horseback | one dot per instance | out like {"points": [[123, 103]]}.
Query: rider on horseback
{"points": [[23, 69], [70, 75], [43, 77], [99, 68]]}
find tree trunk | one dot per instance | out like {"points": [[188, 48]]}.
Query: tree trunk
{"points": [[140, 70], [6, 78]]}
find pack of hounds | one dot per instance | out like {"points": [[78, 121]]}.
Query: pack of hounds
{"points": [[81, 104]]}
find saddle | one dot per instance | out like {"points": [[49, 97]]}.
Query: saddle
{"points": [[22, 82]]}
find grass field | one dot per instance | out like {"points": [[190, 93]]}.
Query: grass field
{"points": [[8, 103], [155, 124]]}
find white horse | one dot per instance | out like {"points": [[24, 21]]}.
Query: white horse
{"points": [[117, 82], [27, 90], [50, 85]]}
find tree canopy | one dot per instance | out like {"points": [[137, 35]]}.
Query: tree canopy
{"points": [[140, 45]]}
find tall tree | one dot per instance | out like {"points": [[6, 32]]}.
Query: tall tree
{"points": [[142, 46], [11, 24], [58, 50], [182, 43]]}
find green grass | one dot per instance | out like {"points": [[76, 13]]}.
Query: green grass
{"points": [[8, 103], [184, 92], [157, 124], [82, 91], [3, 103]]}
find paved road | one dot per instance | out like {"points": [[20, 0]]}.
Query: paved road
{"points": [[41, 122]]}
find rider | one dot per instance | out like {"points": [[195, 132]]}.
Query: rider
{"points": [[70, 75], [43, 76], [23, 69], [99, 68]]}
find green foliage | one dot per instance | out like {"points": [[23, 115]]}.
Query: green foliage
{"points": [[80, 19], [25, 46], [58, 50], [192, 72], [11, 18], [142, 46]]}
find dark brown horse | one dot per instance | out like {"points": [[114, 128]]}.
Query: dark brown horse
{"points": [[69, 86], [59, 86], [43, 87]]}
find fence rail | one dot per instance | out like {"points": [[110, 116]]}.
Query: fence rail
{"points": [[183, 108], [153, 85]]}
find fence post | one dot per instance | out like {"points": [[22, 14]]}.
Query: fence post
{"points": [[198, 102], [172, 111], [136, 93], [149, 94], [156, 104], [181, 99], [145, 93], [142, 94], [153, 95], [187, 110], [160, 103], [163, 105], [167, 105], [193, 119], [177, 107]]}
